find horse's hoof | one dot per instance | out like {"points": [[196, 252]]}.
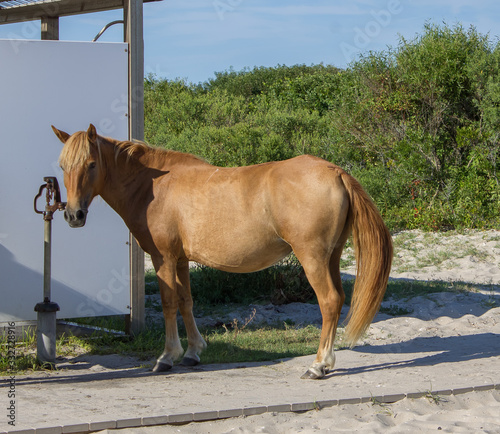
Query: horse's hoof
{"points": [[311, 375], [162, 367], [188, 361]]}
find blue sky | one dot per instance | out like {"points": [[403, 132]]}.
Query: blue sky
{"points": [[192, 39]]}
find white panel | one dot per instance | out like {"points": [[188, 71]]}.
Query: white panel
{"points": [[68, 85]]}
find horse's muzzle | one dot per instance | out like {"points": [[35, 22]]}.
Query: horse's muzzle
{"points": [[75, 218]]}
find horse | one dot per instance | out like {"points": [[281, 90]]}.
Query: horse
{"points": [[180, 208]]}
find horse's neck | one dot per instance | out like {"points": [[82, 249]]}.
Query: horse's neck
{"points": [[128, 186]]}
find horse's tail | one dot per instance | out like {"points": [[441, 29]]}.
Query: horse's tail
{"points": [[373, 252]]}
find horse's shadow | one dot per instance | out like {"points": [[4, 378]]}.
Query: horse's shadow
{"points": [[445, 350], [73, 373]]}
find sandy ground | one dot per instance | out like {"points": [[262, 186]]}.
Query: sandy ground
{"points": [[469, 413], [472, 258]]}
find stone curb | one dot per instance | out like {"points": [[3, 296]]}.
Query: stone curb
{"points": [[204, 416]]}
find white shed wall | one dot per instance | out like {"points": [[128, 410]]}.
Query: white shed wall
{"points": [[68, 85]]}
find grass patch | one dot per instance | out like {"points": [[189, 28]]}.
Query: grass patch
{"points": [[111, 322], [404, 239], [348, 258], [411, 252], [25, 358], [474, 251], [261, 344], [434, 398], [225, 344], [491, 237], [23, 362], [406, 289], [435, 258]]}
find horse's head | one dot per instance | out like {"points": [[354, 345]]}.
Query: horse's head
{"points": [[83, 175]]}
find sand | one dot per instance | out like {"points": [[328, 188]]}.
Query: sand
{"points": [[470, 413]]}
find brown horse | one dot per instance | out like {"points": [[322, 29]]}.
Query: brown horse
{"points": [[241, 219]]}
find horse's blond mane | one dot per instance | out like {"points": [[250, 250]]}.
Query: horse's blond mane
{"points": [[78, 150], [135, 149], [75, 152], [130, 149]]}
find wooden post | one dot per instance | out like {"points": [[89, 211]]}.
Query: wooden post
{"points": [[50, 29], [133, 19]]}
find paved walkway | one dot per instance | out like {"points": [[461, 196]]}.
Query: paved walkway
{"points": [[88, 396]]}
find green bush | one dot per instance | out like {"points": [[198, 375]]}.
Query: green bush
{"points": [[283, 283]]}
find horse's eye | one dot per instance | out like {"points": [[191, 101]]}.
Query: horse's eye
{"points": [[92, 165]]}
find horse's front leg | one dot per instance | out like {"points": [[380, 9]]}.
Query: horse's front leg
{"points": [[166, 274], [196, 343]]}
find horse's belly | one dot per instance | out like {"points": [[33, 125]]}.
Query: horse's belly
{"points": [[239, 254]]}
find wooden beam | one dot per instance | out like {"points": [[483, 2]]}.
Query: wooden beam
{"points": [[57, 8], [133, 18], [50, 28]]}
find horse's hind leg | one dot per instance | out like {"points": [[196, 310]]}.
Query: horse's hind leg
{"points": [[323, 273], [196, 343]]}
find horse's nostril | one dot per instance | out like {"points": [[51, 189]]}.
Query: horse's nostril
{"points": [[80, 215], [67, 216]]}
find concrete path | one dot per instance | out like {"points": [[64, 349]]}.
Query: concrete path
{"points": [[91, 396]]}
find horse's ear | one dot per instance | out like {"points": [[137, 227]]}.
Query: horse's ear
{"points": [[61, 135], [92, 134]]}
